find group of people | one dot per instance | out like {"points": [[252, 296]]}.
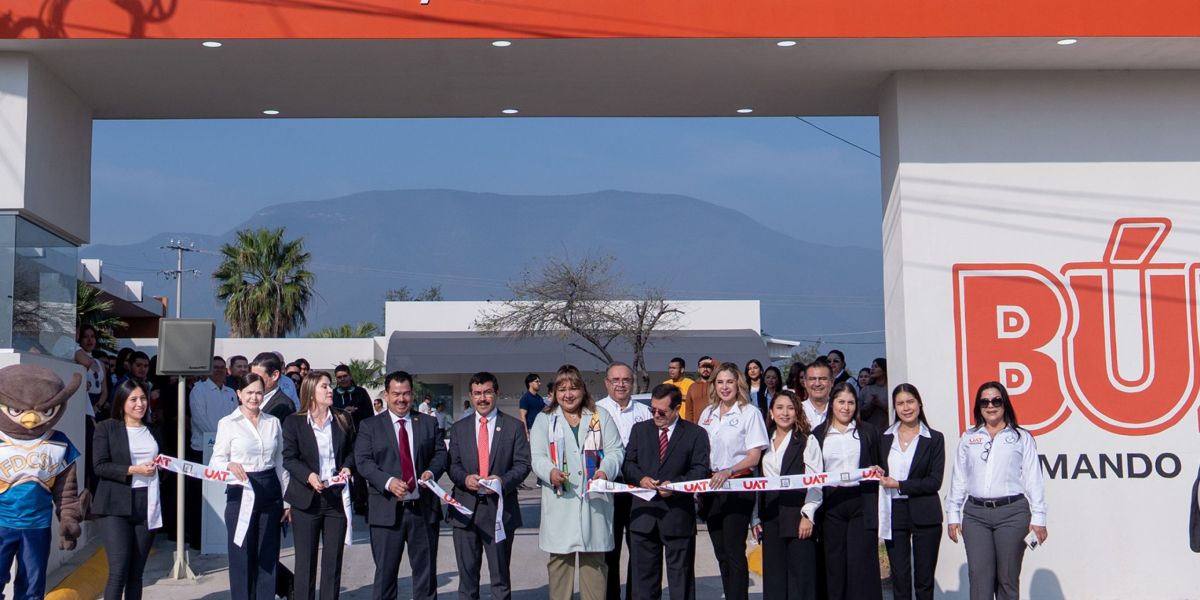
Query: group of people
{"points": [[302, 459]]}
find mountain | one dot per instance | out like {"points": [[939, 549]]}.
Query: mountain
{"points": [[473, 243]]}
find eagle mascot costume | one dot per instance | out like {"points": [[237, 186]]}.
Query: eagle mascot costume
{"points": [[37, 475]]}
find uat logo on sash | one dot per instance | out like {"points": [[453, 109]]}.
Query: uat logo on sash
{"points": [[1115, 339]]}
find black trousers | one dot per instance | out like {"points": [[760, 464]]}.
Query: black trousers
{"points": [[622, 503], [324, 524], [851, 550], [471, 544], [646, 553], [252, 565], [413, 530], [789, 564], [127, 542], [193, 499], [913, 553], [728, 517]]}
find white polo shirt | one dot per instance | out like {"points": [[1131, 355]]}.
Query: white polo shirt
{"points": [[627, 417], [732, 435]]}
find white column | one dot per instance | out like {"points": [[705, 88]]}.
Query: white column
{"points": [[1029, 172]]}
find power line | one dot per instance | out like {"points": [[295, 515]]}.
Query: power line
{"points": [[835, 136]]}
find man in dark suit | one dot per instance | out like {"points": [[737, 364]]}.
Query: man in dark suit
{"points": [[487, 444], [660, 451], [268, 366], [391, 449]]}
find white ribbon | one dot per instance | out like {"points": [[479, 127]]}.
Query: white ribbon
{"points": [[746, 484], [344, 481], [202, 472], [153, 504], [885, 512], [494, 485], [446, 498]]}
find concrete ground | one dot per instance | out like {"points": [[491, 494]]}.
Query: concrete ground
{"points": [[528, 567]]}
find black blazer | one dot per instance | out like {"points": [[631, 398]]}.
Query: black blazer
{"points": [[1194, 521], [377, 458], [785, 506], [686, 460], [301, 457], [508, 458], [924, 478], [111, 460], [279, 406], [870, 454]]}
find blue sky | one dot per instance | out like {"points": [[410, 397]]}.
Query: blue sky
{"points": [[207, 176]]}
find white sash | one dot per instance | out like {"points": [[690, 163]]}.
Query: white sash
{"points": [[494, 485], [202, 472], [446, 498], [747, 484], [344, 481]]}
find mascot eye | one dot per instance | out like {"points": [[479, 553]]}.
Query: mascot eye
{"points": [[50, 412], [14, 412]]}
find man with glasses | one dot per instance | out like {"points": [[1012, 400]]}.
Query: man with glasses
{"points": [[697, 396], [818, 382], [209, 401], [488, 445], [619, 404], [661, 450]]}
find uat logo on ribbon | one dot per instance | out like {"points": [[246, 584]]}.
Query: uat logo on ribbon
{"points": [[1115, 339]]}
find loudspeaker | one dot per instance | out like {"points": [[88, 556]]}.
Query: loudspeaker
{"points": [[185, 346]]}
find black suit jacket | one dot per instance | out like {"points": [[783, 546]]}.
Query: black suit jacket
{"points": [[301, 457], [686, 460], [924, 478], [508, 458], [279, 406], [870, 454], [1194, 521], [785, 506], [111, 460], [377, 458], [759, 399]]}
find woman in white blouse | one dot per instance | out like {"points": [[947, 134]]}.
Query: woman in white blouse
{"points": [[849, 516], [997, 496], [789, 548], [737, 436], [249, 444]]}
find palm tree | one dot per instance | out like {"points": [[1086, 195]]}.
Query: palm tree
{"points": [[264, 283], [362, 330], [91, 309], [367, 373]]}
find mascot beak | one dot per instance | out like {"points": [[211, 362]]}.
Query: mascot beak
{"points": [[30, 419]]}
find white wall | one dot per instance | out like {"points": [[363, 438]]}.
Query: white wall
{"points": [[460, 316], [1002, 168], [321, 353]]}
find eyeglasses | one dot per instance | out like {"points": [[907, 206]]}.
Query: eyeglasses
{"points": [[992, 402], [987, 450], [484, 394], [626, 381], [658, 412]]}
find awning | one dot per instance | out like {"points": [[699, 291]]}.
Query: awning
{"points": [[454, 352]]}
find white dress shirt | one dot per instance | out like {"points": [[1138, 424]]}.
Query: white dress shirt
{"points": [[772, 466], [815, 417], [842, 450], [414, 493], [900, 459], [255, 448], [1011, 468], [324, 433], [209, 402], [732, 435], [625, 418]]}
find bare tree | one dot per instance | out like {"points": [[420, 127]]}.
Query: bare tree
{"points": [[582, 299]]}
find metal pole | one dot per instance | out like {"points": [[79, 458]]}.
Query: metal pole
{"points": [[182, 568]]}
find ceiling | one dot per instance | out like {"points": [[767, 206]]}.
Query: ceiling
{"points": [[175, 79]]}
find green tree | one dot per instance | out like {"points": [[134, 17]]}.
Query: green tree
{"points": [[366, 373], [92, 309], [362, 330], [265, 284], [402, 294]]}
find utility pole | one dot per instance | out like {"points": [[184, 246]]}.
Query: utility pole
{"points": [[182, 568]]}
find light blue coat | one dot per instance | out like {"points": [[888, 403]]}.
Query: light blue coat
{"points": [[570, 522]]}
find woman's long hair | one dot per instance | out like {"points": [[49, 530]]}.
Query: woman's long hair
{"points": [[778, 377], [122, 393], [746, 372], [910, 389], [743, 391], [570, 374], [308, 397], [1010, 415], [841, 388], [803, 427]]}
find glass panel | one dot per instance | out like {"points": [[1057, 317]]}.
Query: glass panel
{"points": [[8, 232], [43, 297]]}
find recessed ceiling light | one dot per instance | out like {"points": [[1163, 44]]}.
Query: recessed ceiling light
{"points": [[270, 112], [510, 111], [501, 43], [745, 111], [1068, 42], [785, 44], [211, 44]]}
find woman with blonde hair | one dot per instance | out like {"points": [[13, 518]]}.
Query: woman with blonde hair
{"points": [[318, 444], [572, 443], [737, 437]]}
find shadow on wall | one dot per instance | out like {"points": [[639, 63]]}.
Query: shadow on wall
{"points": [[1043, 586], [52, 18]]}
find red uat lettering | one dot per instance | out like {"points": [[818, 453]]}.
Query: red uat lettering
{"points": [[699, 486], [814, 479], [215, 474], [754, 485]]}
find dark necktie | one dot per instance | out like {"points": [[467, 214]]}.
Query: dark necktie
{"points": [[406, 460], [662, 444]]}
